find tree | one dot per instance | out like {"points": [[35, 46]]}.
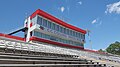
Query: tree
{"points": [[101, 50], [114, 48]]}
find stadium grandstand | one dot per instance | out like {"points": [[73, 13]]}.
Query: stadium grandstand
{"points": [[50, 42]]}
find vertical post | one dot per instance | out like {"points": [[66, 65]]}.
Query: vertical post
{"points": [[88, 32], [28, 31]]}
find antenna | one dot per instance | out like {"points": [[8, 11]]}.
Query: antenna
{"points": [[89, 37], [26, 15]]}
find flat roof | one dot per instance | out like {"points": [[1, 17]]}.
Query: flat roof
{"points": [[56, 20]]}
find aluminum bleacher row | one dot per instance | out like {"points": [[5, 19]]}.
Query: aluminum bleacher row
{"points": [[24, 53]]}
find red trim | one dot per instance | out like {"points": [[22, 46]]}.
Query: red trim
{"points": [[95, 51], [63, 45], [31, 24], [52, 18], [54, 43], [12, 37], [50, 42]]}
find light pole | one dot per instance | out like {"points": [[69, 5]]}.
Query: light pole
{"points": [[89, 38]]}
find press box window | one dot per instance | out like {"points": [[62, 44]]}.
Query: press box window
{"points": [[39, 20], [44, 22], [71, 32], [60, 29], [57, 26], [53, 27], [65, 30], [49, 24]]}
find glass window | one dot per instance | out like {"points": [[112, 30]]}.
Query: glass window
{"points": [[48, 24], [65, 30], [43, 36], [73, 33], [39, 20], [60, 40], [84, 36], [40, 35], [60, 29], [68, 32], [79, 35], [53, 26], [35, 34], [47, 36], [57, 27], [44, 22], [68, 41]]}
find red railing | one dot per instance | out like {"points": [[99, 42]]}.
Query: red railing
{"points": [[12, 37], [95, 51], [50, 42], [54, 43]]}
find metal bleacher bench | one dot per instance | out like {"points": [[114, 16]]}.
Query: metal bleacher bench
{"points": [[14, 53]]}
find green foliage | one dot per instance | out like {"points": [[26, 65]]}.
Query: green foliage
{"points": [[114, 48], [100, 50]]}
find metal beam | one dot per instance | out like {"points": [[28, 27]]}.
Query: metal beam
{"points": [[21, 29]]}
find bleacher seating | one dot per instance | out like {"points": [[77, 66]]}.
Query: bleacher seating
{"points": [[35, 48]]}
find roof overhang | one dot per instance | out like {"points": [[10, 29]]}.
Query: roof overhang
{"points": [[56, 20]]}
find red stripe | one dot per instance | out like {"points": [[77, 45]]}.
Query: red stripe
{"points": [[12, 37], [56, 20], [94, 51], [54, 43], [31, 24], [50, 42]]}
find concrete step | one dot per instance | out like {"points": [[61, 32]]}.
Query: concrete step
{"points": [[51, 65]]}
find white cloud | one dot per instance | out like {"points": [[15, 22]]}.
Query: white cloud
{"points": [[113, 8], [94, 21], [97, 22], [80, 2], [62, 9]]}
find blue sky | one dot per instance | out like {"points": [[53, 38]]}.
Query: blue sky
{"points": [[101, 17]]}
